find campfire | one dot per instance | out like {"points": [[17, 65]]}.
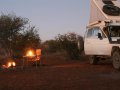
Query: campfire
{"points": [[31, 55], [11, 64]]}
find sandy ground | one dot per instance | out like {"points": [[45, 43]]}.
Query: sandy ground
{"points": [[61, 74]]}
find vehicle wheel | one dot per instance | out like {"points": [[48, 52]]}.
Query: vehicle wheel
{"points": [[116, 59], [80, 44], [108, 2], [93, 60], [111, 10]]}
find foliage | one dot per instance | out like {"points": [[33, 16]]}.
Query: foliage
{"points": [[69, 42], [29, 39], [51, 46], [15, 35]]}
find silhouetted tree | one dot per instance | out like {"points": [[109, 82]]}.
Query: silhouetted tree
{"points": [[10, 26], [70, 42], [15, 35], [29, 39], [51, 46]]}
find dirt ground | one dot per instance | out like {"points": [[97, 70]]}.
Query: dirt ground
{"points": [[57, 73]]}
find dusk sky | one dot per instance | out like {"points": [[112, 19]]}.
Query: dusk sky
{"points": [[51, 17]]}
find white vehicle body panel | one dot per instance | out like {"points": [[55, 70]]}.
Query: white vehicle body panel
{"points": [[95, 46]]}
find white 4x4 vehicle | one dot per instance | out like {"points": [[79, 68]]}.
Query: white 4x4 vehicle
{"points": [[102, 40]]}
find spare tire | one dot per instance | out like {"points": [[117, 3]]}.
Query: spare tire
{"points": [[108, 2], [111, 10], [80, 44]]}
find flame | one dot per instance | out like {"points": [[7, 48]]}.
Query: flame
{"points": [[30, 53], [14, 64], [10, 64]]}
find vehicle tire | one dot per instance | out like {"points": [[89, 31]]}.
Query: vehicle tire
{"points": [[116, 59], [111, 10], [80, 44], [93, 60], [108, 2]]}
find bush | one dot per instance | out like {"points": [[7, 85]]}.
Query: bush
{"points": [[71, 43]]}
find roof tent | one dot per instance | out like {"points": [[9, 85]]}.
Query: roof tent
{"points": [[103, 10]]}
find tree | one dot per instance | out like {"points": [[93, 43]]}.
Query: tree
{"points": [[51, 46], [10, 26], [31, 39], [69, 42], [15, 35]]}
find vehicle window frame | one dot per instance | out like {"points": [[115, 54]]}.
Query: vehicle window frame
{"points": [[89, 29], [110, 31], [92, 36]]}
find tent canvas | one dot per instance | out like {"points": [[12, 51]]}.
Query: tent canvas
{"points": [[97, 13]]}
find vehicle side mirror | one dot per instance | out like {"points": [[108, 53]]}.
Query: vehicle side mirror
{"points": [[100, 36]]}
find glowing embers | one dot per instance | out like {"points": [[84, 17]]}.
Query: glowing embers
{"points": [[11, 64]]}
